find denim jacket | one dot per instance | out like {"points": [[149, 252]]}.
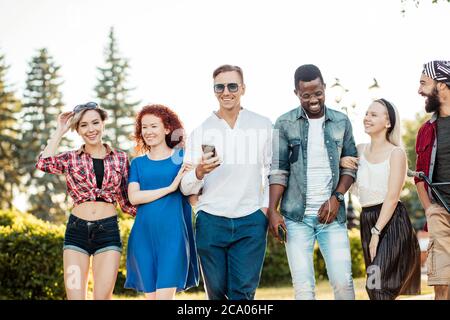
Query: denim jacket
{"points": [[289, 161]]}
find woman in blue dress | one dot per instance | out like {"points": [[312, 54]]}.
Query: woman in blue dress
{"points": [[161, 257]]}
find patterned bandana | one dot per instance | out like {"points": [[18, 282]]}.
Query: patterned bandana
{"points": [[438, 70]]}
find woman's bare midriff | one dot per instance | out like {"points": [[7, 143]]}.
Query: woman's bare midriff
{"points": [[94, 210]]}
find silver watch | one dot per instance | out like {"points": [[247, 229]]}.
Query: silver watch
{"points": [[374, 230]]}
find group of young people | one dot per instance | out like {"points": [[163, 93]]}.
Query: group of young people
{"points": [[244, 177]]}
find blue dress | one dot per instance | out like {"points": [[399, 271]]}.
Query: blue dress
{"points": [[161, 250]]}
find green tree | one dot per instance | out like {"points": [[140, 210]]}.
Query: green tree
{"points": [[9, 140], [42, 105], [113, 95], [409, 194]]}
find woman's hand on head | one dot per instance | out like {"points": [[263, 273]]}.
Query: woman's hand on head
{"points": [[64, 122]]}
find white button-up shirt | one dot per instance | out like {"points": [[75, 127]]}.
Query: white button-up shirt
{"points": [[239, 186]]}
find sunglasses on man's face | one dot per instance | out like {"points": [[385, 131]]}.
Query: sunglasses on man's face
{"points": [[86, 106], [220, 87]]}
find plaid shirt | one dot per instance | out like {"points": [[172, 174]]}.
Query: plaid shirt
{"points": [[77, 165], [426, 146]]}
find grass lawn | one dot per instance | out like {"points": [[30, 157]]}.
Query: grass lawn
{"points": [[323, 292]]}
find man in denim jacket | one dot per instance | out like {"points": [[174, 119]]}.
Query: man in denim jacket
{"points": [[308, 143]]}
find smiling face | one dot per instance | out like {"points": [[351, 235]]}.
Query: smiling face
{"points": [[91, 127], [376, 119], [153, 131], [312, 97], [229, 100], [428, 90]]}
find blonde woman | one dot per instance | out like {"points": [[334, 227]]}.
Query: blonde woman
{"points": [[97, 177], [391, 250]]}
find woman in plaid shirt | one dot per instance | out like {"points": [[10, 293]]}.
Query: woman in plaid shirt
{"points": [[97, 178]]}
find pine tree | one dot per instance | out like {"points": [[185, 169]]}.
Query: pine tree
{"points": [[42, 105], [113, 95], [9, 140]]}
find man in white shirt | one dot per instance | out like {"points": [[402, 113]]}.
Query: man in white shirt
{"points": [[232, 153]]}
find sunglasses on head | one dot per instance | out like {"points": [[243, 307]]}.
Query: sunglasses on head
{"points": [[86, 106], [220, 87]]}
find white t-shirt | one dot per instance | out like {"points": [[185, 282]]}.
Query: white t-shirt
{"points": [[239, 186], [319, 180]]}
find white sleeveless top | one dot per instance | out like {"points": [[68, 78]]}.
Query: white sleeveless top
{"points": [[372, 180]]}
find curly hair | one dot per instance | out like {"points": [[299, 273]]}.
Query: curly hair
{"points": [[170, 120]]}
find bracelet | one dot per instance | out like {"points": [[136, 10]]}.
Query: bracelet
{"points": [[374, 230]]}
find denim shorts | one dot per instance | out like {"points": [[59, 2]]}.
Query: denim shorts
{"points": [[92, 237]]}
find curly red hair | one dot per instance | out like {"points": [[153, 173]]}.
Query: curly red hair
{"points": [[170, 121]]}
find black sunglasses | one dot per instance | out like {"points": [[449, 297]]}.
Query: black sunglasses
{"points": [[86, 106], [220, 87]]}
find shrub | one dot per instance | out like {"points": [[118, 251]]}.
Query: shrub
{"points": [[125, 224], [275, 269], [31, 257], [7, 217], [31, 265], [358, 265]]}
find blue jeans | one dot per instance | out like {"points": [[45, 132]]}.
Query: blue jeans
{"points": [[231, 253], [335, 247], [92, 237]]}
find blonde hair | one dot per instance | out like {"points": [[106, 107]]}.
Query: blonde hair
{"points": [[395, 135], [79, 115]]}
